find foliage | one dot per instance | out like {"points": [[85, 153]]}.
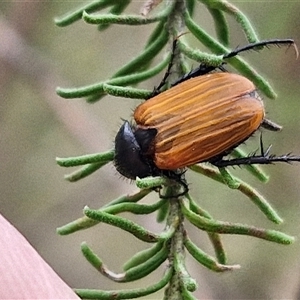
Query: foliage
{"points": [[172, 18]]}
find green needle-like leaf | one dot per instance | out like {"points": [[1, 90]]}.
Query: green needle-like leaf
{"points": [[99, 88], [236, 228], [117, 9], [145, 57], [138, 209], [205, 259], [135, 197], [127, 225], [121, 20], [185, 278], [228, 179], [215, 238], [190, 5], [151, 182], [236, 62], [186, 295], [125, 294], [244, 188], [119, 91], [76, 15], [85, 171], [143, 256], [140, 76], [91, 257], [147, 267], [86, 159], [81, 92], [85, 222], [221, 25], [237, 14], [163, 212], [155, 33]]}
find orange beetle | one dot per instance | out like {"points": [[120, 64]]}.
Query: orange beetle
{"points": [[201, 118]]}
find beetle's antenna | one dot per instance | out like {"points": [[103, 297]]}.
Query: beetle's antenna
{"points": [[205, 68], [261, 44]]}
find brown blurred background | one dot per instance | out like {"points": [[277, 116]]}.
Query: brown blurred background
{"points": [[36, 126]]}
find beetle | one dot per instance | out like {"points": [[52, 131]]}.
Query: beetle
{"points": [[201, 118]]}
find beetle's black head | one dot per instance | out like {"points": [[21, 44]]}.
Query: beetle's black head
{"points": [[132, 158]]}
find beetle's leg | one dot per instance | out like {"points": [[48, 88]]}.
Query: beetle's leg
{"points": [[201, 70], [257, 159], [270, 125], [179, 178], [185, 191], [185, 187], [157, 90], [264, 158]]}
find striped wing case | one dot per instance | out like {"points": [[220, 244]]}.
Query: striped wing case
{"points": [[200, 118]]}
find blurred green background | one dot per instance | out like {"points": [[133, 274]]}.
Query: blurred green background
{"points": [[36, 126]]}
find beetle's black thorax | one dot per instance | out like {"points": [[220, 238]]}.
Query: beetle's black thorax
{"points": [[133, 152]]}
